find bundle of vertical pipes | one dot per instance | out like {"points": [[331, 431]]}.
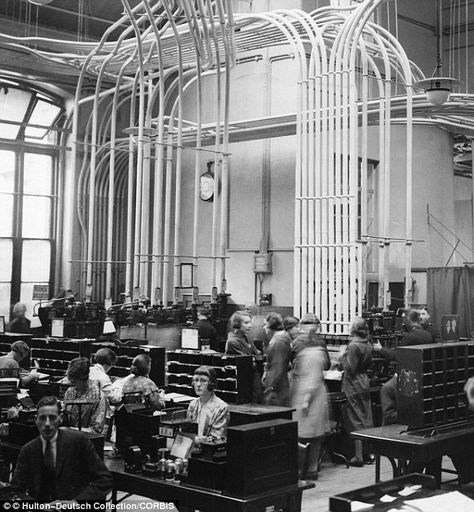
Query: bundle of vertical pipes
{"points": [[344, 62]]}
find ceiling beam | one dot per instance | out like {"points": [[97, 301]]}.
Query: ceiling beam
{"points": [[74, 13]]}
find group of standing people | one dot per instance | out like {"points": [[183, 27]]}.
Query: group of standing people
{"points": [[289, 372], [293, 361]]}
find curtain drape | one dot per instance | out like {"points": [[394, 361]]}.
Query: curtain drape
{"points": [[450, 291]]}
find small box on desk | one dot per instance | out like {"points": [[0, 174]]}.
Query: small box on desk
{"points": [[206, 473], [261, 456]]}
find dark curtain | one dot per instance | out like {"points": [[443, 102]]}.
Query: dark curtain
{"points": [[450, 291]]}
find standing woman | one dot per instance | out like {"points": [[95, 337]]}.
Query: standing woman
{"points": [[355, 360], [276, 383], [308, 393], [239, 344]]}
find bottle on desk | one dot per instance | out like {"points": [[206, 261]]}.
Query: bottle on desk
{"points": [[170, 470], [162, 463]]}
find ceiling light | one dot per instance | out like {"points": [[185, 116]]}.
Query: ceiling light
{"points": [[40, 2], [437, 88]]}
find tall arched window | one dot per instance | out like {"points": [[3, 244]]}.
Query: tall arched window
{"points": [[28, 191]]}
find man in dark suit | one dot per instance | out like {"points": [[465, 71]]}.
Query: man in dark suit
{"points": [[60, 465]]}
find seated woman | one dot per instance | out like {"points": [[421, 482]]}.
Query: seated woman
{"points": [[84, 401], [207, 410], [139, 382]]}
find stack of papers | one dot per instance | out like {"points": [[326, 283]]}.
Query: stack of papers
{"points": [[442, 503]]}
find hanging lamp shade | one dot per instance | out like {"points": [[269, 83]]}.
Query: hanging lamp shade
{"points": [[437, 88], [40, 2]]}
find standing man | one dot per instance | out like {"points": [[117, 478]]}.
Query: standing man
{"points": [[20, 324], [206, 330], [60, 465], [428, 326]]}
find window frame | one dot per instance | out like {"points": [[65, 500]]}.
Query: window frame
{"points": [[20, 148]]}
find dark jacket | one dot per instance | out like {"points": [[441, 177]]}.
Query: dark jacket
{"points": [[416, 336], [207, 331], [238, 344], [277, 385], [20, 325], [80, 473]]}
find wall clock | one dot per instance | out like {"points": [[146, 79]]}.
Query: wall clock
{"points": [[206, 184]]}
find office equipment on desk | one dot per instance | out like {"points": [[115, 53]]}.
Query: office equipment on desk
{"points": [[262, 455], [190, 339], [8, 390], [57, 328], [182, 445], [7, 493], [141, 426], [192, 497]]}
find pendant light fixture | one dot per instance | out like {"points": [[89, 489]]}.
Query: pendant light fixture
{"points": [[438, 88], [40, 2]]}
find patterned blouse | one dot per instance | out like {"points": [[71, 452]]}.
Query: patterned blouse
{"points": [[212, 417], [145, 386], [92, 410]]}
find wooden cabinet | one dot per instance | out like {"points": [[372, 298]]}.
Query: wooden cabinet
{"points": [[234, 374]]}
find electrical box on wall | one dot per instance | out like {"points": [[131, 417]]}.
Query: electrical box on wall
{"points": [[262, 263]]}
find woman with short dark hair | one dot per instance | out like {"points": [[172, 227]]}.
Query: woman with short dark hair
{"points": [[207, 410]]}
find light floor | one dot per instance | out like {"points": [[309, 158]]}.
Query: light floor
{"points": [[335, 479]]}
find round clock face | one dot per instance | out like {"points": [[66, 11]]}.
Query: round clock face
{"points": [[206, 190]]}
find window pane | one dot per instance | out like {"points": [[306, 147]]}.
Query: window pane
{"points": [[6, 214], [36, 217], [44, 114], [37, 174], [35, 261], [7, 171], [6, 251], [26, 294], [13, 105], [5, 301]]}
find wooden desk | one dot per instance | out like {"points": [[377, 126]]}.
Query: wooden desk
{"points": [[394, 442], [372, 494], [241, 414], [190, 498]]}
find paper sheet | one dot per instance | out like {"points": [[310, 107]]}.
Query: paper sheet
{"points": [[442, 503], [386, 498], [358, 506]]}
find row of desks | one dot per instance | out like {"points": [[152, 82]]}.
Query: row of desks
{"points": [[397, 443], [190, 498]]}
